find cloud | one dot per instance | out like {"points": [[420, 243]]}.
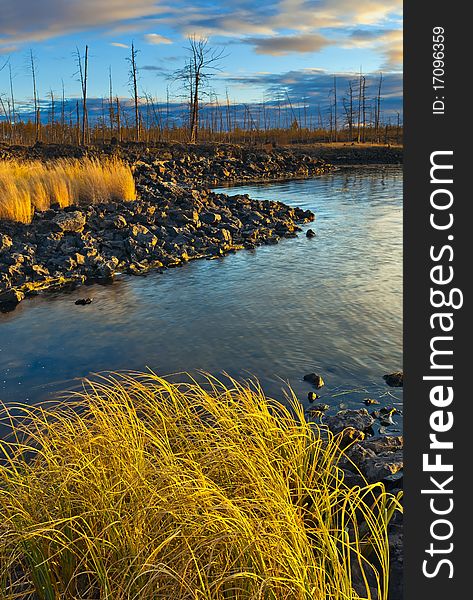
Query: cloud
{"points": [[156, 38], [33, 20], [386, 42], [314, 87], [279, 45], [119, 45], [270, 28], [8, 49]]}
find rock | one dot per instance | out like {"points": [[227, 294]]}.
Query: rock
{"points": [[320, 407], [11, 298], [378, 458], [314, 379], [70, 221], [5, 242], [359, 419], [310, 233], [83, 301], [394, 379], [349, 436], [312, 396], [118, 222], [370, 401], [210, 218]]}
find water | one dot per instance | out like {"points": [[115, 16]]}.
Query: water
{"points": [[331, 304]]}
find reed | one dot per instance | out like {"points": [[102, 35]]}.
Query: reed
{"points": [[138, 488], [29, 186]]}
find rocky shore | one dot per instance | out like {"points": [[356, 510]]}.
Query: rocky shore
{"points": [[176, 218]]}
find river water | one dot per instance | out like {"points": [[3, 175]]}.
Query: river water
{"points": [[331, 304]]}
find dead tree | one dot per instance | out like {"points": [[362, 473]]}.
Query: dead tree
{"points": [[83, 72], [335, 108], [202, 64], [378, 108], [12, 96], [134, 88], [35, 97]]}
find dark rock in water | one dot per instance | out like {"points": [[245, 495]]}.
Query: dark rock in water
{"points": [[70, 221], [370, 401], [394, 379], [10, 298], [312, 396], [83, 301], [314, 379], [320, 407], [310, 233], [359, 419]]}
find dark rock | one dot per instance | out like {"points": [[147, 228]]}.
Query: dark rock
{"points": [[5, 242], [314, 379], [359, 419], [310, 233], [379, 458], [312, 396], [10, 298], [83, 301], [320, 407], [394, 379], [70, 221]]}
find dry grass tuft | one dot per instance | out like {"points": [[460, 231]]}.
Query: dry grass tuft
{"points": [[34, 185], [141, 489]]}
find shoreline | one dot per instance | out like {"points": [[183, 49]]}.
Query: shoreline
{"points": [[176, 217]]}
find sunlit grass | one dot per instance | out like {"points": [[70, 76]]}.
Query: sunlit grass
{"points": [[141, 489], [34, 185]]}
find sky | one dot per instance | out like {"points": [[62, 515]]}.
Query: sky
{"points": [[291, 45]]}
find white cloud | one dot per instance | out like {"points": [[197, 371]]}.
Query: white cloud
{"points": [[119, 45], [156, 38]]}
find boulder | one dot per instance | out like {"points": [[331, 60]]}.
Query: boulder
{"points": [[359, 419], [11, 298], [70, 221]]}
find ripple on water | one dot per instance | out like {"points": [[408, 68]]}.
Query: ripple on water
{"points": [[332, 303]]}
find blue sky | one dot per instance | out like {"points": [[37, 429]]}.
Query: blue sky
{"points": [[292, 44]]}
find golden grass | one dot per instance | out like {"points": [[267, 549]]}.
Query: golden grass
{"points": [[34, 185], [141, 489]]}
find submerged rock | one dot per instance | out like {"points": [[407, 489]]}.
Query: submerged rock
{"points": [[395, 379]]}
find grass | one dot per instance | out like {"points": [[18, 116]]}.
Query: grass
{"points": [[33, 185], [137, 488]]}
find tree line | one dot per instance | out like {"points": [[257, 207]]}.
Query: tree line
{"points": [[352, 115]]}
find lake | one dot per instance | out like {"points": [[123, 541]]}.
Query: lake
{"points": [[331, 304]]}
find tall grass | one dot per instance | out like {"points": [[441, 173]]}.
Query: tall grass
{"points": [[143, 489], [33, 185]]}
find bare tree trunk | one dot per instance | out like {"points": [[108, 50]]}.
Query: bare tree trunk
{"points": [[35, 97], [83, 72], [378, 108], [133, 74], [110, 101], [119, 126], [335, 108]]}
